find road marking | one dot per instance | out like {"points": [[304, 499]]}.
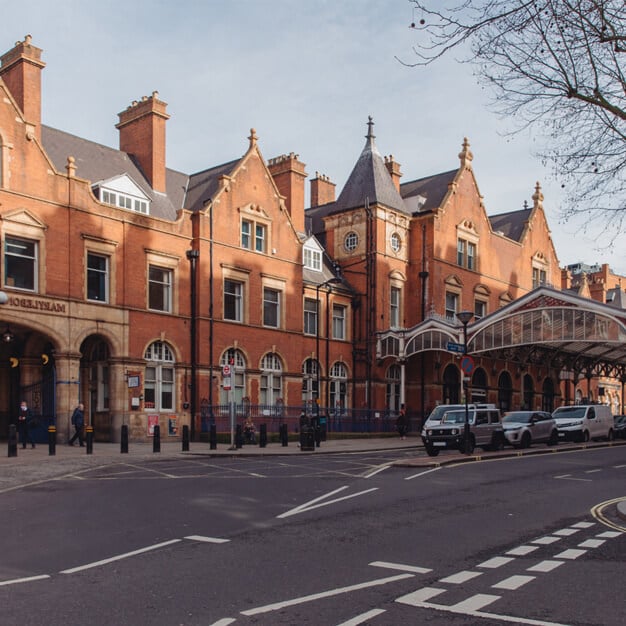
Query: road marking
{"points": [[513, 582], [119, 557], [400, 566], [416, 598], [378, 470], [566, 532], [207, 539], [309, 506], [598, 512], [546, 541], [593, 471], [224, 622], [544, 566], [609, 534], [591, 543], [570, 554], [460, 577], [360, 619], [618, 466], [497, 561], [569, 477], [434, 469], [29, 579], [474, 603], [522, 550], [324, 594], [583, 525]]}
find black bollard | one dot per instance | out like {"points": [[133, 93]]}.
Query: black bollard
{"points": [[89, 439], [124, 440], [156, 439], [263, 436], [238, 437], [185, 438], [213, 437], [12, 440], [284, 435], [52, 440]]}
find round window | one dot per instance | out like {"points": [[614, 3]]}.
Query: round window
{"points": [[396, 242], [351, 241]]}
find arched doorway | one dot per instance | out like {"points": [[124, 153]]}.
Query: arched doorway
{"points": [[479, 386], [528, 394], [505, 391], [547, 395], [94, 387], [451, 385]]}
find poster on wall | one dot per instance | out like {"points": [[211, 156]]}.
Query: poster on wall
{"points": [[153, 420], [173, 426]]}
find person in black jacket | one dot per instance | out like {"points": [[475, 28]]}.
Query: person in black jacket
{"points": [[24, 418], [78, 421]]}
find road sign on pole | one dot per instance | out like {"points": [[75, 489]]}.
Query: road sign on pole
{"points": [[467, 364], [455, 347]]}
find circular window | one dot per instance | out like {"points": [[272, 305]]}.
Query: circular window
{"points": [[396, 242], [351, 241]]}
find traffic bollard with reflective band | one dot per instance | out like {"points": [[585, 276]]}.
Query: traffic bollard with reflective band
{"points": [[185, 438], [213, 437], [89, 439], [12, 440], [263, 436], [156, 439], [124, 440], [52, 440]]}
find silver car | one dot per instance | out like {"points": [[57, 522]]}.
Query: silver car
{"points": [[523, 428]]}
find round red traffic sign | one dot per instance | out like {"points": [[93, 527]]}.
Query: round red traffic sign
{"points": [[467, 364]]}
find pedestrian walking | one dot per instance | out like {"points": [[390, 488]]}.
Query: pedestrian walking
{"points": [[402, 422], [78, 421], [24, 419]]}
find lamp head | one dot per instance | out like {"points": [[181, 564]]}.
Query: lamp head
{"points": [[464, 317]]}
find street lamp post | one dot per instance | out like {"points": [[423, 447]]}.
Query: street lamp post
{"points": [[192, 256], [464, 317]]}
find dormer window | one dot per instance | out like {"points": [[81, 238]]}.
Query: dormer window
{"points": [[124, 193], [312, 259]]}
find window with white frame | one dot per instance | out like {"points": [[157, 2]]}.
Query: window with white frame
{"points": [[97, 277], [312, 259], [271, 387], [452, 305], [480, 309], [20, 263], [237, 362], [466, 254], [159, 377], [310, 391], [271, 307], [253, 235], [393, 387], [394, 307], [124, 201], [159, 289], [351, 241], [339, 321], [233, 300], [539, 277], [338, 391], [395, 242], [310, 316]]}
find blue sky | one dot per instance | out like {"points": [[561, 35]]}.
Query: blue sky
{"points": [[304, 74]]}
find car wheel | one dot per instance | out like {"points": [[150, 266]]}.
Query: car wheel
{"points": [[585, 437], [526, 441], [497, 442], [432, 451], [554, 438], [611, 435]]}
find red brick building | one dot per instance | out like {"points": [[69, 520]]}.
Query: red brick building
{"points": [[130, 285]]}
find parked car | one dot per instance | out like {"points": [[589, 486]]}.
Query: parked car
{"points": [[485, 431], [436, 415], [619, 426], [582, 422], [523, 428]]}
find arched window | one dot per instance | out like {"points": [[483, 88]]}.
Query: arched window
{"points": [[529, 392], [505, 391], [159, 379], [310, 391], [393, 387], [237, 362], [271, 379], [479, 385], [547, 398], [451, 385], [338, 387]]}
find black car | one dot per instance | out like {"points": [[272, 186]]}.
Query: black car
{"points": [[619, 429]]}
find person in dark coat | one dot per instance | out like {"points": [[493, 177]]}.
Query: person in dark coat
{"points": [[78, 421], [24, 417], [402, 422]]}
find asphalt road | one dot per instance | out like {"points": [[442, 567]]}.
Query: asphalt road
{"points": [[327, 540]]}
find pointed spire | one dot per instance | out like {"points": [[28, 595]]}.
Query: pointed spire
{"points": [[370, 128], [538, 197], [466, 155], [253, 138]]}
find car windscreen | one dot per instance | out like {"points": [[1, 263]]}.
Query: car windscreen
{"points": [[570, 411], [455, 417], [520, 417], [438, 412]]}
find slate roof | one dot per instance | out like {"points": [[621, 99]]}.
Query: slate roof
{"points": [[426, 194], [510, 224], [203, 185]]}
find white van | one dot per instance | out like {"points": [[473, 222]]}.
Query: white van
{"points": [[583, 422]]}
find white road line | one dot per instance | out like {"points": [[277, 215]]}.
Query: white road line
{"points": [[310, 502], [544, 566], [546, 541], [460, 577], [360, 619], [417, 598], [29, 579], [563, 476], [568, 477], [522, 550], [583, 525], [309, 506], [610, 534], [224, 622], [513, 582], [207, 539], [474, 603], [618, 466], [591, 543], [401, 566], [434, 469], [593, 471], [119, 557], [324, 594], [497, 561], [378, 470], [570, 554], [566, 532]]}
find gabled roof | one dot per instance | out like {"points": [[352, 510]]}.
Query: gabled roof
{"points": [[203, 185], [426, 194], [369, 181], [510, 224], [95, 162]]}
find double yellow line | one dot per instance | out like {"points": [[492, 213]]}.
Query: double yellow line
{"points": [[598, 512]]}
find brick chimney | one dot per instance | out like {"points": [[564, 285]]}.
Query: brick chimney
{"points": [[142, 135], [288, 174], [566, 279], [20, 69], [322, 190], [393, 167]]}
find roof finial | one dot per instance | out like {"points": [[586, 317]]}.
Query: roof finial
{"points": [[370, 128], [253, 137], [466, 155], [538, 197]]}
